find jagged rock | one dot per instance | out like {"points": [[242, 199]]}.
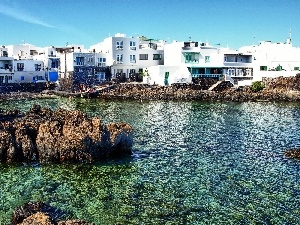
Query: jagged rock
{"points": [[38, 218], [42, 214], [293, 153], [62, 136]]}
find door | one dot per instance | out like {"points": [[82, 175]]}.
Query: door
{"points": [[167, 78]]}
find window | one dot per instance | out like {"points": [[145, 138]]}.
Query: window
{"points": [[119, 45], [239, 72], [225, 59], [132, 59], [156, 56], [166, 81], [79, 61], [132, 45], [37, 67], [22, 78], [231, 72], [248, 72], [90, 60], [101, 62], [143, 56], [131, 71], [9, 77], [119, 58], [20, 66], [296, 68], [188, 57], [263, 68], [207, 59]]}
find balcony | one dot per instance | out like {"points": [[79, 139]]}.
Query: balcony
{"points": [[79, 63], [133, 48], [191, 47], [237, 64], [202, 75], [119, 47], [2, 70], [191, 61]]}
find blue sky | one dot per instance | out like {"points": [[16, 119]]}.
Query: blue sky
{"points": [[87, 22]]}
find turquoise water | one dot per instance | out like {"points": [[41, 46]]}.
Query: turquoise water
{"points": [[193, 163]]}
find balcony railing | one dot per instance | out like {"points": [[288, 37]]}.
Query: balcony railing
{"points": [[192, 61], [6, 71], [200, 75]]}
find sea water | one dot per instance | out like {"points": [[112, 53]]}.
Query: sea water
{"points": [[192, 163]]}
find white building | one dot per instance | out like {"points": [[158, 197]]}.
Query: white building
{"points": [[129, 55], [6, 66], [26, 67], [82, 68], [202, 59], [273, 59], [167, 75], [242, 67]]}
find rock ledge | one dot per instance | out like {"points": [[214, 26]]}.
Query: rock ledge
{"points": [[42, 135]]}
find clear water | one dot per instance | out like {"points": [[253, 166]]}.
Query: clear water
{"points": [[193, 163]]}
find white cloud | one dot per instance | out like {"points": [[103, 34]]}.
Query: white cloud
{"points": [[22, 16]]}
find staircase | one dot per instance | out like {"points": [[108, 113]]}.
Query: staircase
{"points": [[215, 85]]}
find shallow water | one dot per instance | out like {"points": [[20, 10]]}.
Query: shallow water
{"points": [[193, 163]]}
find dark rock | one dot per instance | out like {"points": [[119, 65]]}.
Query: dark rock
{"points": [[62, 136], [293, 153], [41, 213]]}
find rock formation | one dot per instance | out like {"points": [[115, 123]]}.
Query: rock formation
{"points": [[58, 136], [41, 213], [293, 153]]}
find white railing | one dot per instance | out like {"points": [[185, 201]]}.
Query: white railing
{"points": [[206, 75], [228, 78]]}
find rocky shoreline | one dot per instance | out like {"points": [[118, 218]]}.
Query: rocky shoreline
{"points": [[276, 89], [45, 136]]}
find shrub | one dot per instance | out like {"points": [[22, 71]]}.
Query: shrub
{"points": [[257, 86]]}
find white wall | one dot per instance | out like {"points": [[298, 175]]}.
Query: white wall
{"points": [[177, 74]]}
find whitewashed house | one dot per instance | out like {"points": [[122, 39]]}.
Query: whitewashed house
{"points": [[273, 59], [82, 67], [51, 60], [202, 59], [6, 66], [126, 56], [26, 68], [167, 75]]}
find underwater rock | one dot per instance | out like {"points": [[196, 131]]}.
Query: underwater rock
{"points": [[41, 213], [60, 136], [293, 153]]}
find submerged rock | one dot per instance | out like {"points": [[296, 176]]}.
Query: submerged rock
{"points": [[41, 213], [46, 136], [293, 153]]}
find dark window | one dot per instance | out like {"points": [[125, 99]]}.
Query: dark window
{"points": [[156, 56], [143, 56]]}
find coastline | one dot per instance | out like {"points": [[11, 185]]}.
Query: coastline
{"points": [[276, 89]]}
